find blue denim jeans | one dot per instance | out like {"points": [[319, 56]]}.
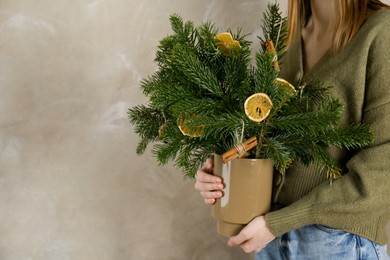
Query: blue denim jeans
{"points": [[319, 242]]}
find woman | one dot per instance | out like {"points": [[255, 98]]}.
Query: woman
{"points": [[346, 44]]}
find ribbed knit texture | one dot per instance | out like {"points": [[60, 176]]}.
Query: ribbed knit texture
{"points": [[359, 201]]}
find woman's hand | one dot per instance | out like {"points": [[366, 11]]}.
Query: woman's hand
{"points": [[254, 237], [209, 186]]}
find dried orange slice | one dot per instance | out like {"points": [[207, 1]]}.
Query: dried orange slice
{"points": [[285, 84], [197, 132], [257, 107], [226, 42]]}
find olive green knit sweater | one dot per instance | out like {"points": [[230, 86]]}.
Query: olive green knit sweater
{"points": [[359, 201]]}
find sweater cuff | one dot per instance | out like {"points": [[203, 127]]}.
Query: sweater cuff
{"points": [[298, 214]]}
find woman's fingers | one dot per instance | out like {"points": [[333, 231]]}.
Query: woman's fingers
{"points": [[203, 176], [208, 186], [210, 201], [211, 194]]}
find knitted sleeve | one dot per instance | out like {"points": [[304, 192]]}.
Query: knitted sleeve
{"points": [[359, 201]]}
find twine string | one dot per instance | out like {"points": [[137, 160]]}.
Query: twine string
{"points": [[240, 149]]}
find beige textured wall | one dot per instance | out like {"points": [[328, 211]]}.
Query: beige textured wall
{"points": [[71, 186]]}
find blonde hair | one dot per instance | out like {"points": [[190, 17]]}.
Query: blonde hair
{"points": [[352, 14]]}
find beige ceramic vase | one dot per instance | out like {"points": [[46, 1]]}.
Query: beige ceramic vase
{"points": [[247, 192]]}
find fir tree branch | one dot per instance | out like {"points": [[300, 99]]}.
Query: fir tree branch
{"points": [[185, 31], [274, 27], [147, 122], [350, 137], [265, 73], [280, 153], [187, 63]]}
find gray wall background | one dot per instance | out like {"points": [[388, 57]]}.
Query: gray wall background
{"points": [[71, 185]]}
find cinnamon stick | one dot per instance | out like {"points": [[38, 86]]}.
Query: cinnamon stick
{"points": [[239, 150], [269, 47]]}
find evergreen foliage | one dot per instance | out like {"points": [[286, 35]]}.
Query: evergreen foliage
{"points": [[201, 88]]}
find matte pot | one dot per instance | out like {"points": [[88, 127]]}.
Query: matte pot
{"points": [[247, 192]]}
